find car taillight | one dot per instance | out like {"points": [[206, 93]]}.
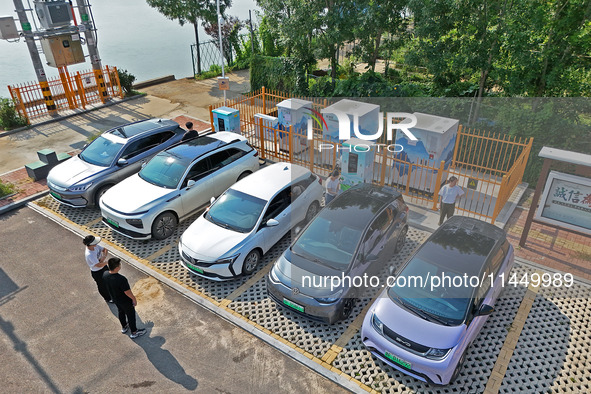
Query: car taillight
{"points": [[256, 153], [319, 180]]}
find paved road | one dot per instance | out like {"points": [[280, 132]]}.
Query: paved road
{"points": [[57, 334]]}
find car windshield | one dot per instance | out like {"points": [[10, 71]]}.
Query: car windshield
{"points": [[236, 211], [101, 151], [164, 170], [328, 242], [445, 301]]}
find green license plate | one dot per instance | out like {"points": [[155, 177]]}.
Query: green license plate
{"points": [[293, 305], [398, 361], [197, 269], [114, 223], [56, 195]]}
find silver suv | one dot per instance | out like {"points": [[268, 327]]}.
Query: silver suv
{"points": [[113, 156]]}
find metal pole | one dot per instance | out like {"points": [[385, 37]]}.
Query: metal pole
{"points": [[95, 59], [221, 48], [34, 53], [251, 32], [197, 46]]}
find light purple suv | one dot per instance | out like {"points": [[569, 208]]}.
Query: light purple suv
{"points": [[424, 323]]}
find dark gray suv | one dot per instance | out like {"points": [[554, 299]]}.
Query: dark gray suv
{"points": [[356, 234], [112, 157]]}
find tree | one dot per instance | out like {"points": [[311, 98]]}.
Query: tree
{"points": [[190, 11], [230, 30]]}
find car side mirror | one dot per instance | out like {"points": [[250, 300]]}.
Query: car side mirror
{"points": [[272, 223], [212, 200], [190, 183], [144, 164], [485, 310], [122, 162]]}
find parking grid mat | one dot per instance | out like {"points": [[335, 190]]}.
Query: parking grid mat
{"points": [[551, 354]]}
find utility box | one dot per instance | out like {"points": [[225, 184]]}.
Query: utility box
{"points": [[226, 119], [436, 140], [270, 126], [295, 113], [53, 14], [357, 162], [61, 51], [8, 30], [368, 116]]}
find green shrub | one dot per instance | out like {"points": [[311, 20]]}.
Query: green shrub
{"points": [[6, 189], [126, 79], [9, 117], [214, 71], [278, 73]]}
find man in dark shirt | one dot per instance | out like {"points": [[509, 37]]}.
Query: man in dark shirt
{"points": [[123, 297], [191, 133]]}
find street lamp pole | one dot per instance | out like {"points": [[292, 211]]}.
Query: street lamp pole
{"points": [[221, 47]]}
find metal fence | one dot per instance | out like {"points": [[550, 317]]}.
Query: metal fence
{"points": [[489, 166], [34, 100], [207, 54]]}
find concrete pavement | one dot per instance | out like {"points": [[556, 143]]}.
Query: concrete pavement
{"points": [[58, 335]]}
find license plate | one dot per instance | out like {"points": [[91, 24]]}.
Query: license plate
{"points": [[56, 195], [293, 305], [111, 221], [197, 269], [398, 361]]}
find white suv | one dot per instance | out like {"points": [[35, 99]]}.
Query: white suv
{"points": [[176, 183], [231, 237]]}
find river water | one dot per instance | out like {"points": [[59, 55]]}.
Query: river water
{"points": [[131, 36]]}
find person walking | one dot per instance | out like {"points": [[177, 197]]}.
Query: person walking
{"points": [[96, 258], [449, 195], [332, 186], [124, 298], [191, 133]]}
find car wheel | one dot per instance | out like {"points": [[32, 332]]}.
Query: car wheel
{"points": [[251, 262], [244, 175], [347, 308], [164, 225], [313, 210], [100, 192], [401, 240], [456, 373]]}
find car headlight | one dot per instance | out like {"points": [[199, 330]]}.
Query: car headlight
{"points": [[135, 223], [437, 354], [273, 276], [331, 299], [80, 188], [377, 324], [227, 260]]}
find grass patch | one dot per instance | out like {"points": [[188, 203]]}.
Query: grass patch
{"points": [[582, 256], [6, 189]]}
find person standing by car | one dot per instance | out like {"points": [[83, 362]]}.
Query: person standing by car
{"points": [[449, 194], [191, 132], [96, 258], [332, 186], [124, 298]]}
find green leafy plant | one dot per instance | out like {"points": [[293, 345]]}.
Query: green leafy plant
{"points": [[127, 79], [9, 117], [6, 189], [214, 71], [278, 73]]}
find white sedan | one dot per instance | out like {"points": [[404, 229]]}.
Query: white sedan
{"points": [[177, 183], [230, 238]]}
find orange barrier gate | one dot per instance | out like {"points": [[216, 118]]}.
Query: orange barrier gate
{"points": [[35, 100], [489, 166]]}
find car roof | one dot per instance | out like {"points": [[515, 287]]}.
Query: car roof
{"points": [[267, 181], [461, 244], [203, 144], [132, 129], [357, 206]]}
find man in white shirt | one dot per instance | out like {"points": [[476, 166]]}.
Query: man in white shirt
{"points": [[96, 258], [449, 193], [332, 187]]}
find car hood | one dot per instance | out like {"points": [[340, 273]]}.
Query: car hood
{"points": [[294, 271], [72, 171], [134, 195], [413, 327], [207, 241]]}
